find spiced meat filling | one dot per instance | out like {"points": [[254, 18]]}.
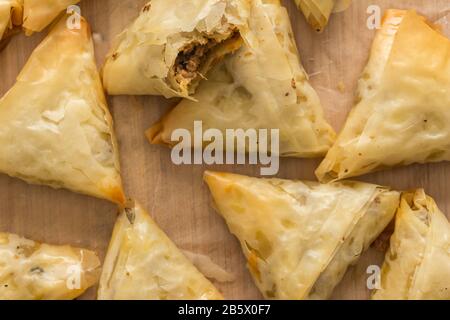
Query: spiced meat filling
{"points": [[192, 58]]}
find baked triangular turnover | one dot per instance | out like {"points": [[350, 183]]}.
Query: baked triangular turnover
{"points": [[55, 127], [142, 263], [10, 17], [403, 113], [33, 271], [417, 265], [317, 12], [38, 14], [300, 237], [262, 86], [169, 48]]}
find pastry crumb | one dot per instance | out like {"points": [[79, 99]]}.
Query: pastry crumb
{"points": [[341, 87]]}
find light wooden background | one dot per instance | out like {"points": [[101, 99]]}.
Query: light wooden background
{"points": [[176, 196]]}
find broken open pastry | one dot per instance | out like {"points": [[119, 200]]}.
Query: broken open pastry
{"points": [[262, 86], [10, 18], [402, 114], [300, 237], [55, 126], [142, 263], [38, 14], [170, 47], [33, 271], [417, 265], [317, 12]]}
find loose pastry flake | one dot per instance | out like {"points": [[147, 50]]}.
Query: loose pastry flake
{"points": [[417, 265], [318, 12], [33, 271], [404, 96], [55, 126], [170, 47], [300, 237], [262, 86], [142, 263]]}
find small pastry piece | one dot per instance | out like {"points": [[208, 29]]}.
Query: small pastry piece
{"points": [[300, 237], [262, 86], [170, 47], [417, 265], [142, 263], [403, 113], [55, 126], [10, 17], [33, 271], [38, 14], [317, 12]]}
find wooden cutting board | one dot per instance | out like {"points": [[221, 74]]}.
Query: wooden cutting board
{"points": [[176, 195]]}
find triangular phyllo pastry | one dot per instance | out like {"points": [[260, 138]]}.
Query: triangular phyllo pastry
{"points": [[262, 86], [10, 17], [33, 271], [300, 237], [317, 12], [403, 110], [55, 126], [142, 263], [417, 265], [169, 48], [38, 14]]}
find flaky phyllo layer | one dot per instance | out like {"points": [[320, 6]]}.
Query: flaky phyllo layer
{"points": [[143, 263], [33, 271], [55, 126], [300, 237], [171, 46], [402, 113], [417, 265], [261, 86]]}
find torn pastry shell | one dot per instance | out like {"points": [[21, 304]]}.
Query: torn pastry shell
{"points": [[170, 47], [300, 237], [402, 111], [142, 263], [34, 271], [417, 265]]}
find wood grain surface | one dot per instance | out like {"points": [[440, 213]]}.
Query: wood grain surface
{"points": [[176, 195]]}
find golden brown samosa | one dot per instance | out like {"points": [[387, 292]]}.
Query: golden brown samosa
{"points": [[402, 115], [33, 271], [56, 128], [417, 265], [142, 263], [300, 237], [262, 86]]}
